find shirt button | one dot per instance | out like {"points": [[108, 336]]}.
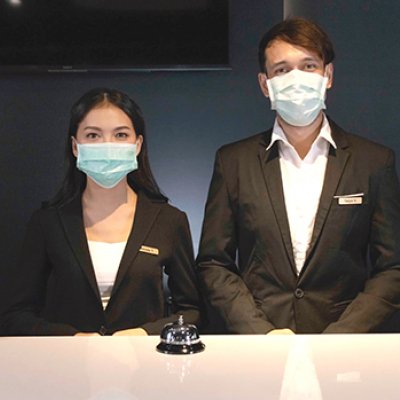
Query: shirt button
{"points": [[299, 293]]}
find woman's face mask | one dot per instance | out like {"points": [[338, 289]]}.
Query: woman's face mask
{"points": [[106, 163]]}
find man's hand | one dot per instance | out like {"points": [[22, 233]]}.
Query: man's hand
{"points": [[285, 331]]}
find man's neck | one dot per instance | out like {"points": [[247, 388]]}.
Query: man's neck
{"points": [[301, 137]]}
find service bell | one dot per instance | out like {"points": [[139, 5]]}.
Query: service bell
{"points": [[180, 338]]}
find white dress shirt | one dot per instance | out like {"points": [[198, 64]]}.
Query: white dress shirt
{"points": [[302, 185], [106, 258]]}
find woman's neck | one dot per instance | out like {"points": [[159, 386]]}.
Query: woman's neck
{"points": [[108, 214], [107, 200]]}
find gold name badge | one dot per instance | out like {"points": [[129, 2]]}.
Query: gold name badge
{"points": [[149, 250]]}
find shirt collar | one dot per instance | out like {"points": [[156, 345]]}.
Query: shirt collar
{"points": [[324, 133]]}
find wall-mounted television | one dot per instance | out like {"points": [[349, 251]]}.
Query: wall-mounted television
{"points": [[113, 35]]}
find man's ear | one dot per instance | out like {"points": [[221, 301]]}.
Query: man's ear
{"points": [[262, 81], [74, 146], [329, 75]]}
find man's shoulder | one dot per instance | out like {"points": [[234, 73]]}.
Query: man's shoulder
{"points": [[360, 145], [367, 145], [243, 146]]}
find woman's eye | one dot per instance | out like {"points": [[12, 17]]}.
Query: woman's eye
{"points": [[92, 135], [121, 135]]}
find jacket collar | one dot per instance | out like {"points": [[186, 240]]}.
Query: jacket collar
{"points": [[270, 165], [71, 217], [337, 159]]}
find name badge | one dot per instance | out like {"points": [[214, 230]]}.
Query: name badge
{"points": [[149, 250], [350, 199]]}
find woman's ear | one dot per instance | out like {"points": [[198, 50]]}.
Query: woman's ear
{"points": [[262, 81], [139, 142], [74, 146]]}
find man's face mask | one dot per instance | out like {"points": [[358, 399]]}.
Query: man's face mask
{"points": [[298, 96], [106, 163]]}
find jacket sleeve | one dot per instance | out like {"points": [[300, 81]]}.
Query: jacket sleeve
{"points": [[220, 278], [381, 295], [26, 293], [181, 279]]}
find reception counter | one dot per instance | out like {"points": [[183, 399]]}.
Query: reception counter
{"points": [[233, 367]]}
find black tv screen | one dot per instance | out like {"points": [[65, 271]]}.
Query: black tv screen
{"points": [[76, 35]]}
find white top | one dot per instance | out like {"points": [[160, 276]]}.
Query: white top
{"points": [[106, 258], [302, 185]]}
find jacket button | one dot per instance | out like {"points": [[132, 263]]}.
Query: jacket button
{"points": [[102, 330], [299, 293]]}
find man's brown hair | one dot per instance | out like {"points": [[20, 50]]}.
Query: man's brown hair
{"points": [[298, 32]]}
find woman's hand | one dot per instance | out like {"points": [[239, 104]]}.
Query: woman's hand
{"points": [[87, 334], [131, 332]]}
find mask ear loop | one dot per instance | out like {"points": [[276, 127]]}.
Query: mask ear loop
{"points": [[271, 93], [325, 84], [266, 85], [328, 72], [75, 147]]}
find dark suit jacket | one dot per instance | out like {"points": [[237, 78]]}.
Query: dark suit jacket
{"points": [[350, 281], [55, 290]]}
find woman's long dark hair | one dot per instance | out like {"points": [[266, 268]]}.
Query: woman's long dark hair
{"points": [[74, 182]]}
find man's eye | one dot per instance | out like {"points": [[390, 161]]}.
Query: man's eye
{"points": [[310, 67], [281, 71]]}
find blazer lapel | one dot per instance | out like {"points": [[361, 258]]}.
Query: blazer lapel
{"points": [[145, 216], [72, 221], [273, 179], [337, 159]]}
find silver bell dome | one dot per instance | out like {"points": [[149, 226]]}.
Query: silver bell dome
{"points": [[180, 338]]}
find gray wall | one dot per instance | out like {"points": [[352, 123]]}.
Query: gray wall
{"points": [[366, 92], [190, 114]]}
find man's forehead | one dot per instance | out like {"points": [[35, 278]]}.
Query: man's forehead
{"points": [[279, 51]]}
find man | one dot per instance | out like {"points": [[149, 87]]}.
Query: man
{"points": [[302, 224]]}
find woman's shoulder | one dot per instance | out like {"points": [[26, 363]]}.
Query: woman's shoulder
{"points": [[167, 207], [48, 213], [165, 210]]}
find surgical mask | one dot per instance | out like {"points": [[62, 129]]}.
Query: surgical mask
{"points": [[298, 96], [106, 163]]}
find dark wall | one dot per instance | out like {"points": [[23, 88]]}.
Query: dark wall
{"points": [[366, 91], [188, 114]]}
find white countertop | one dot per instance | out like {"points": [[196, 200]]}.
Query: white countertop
{"points": [[232, 367]]}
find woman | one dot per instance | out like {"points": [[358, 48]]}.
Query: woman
{"points": [[93, 257]]}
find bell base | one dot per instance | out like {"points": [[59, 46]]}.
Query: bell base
{"points": [[180, 348]]}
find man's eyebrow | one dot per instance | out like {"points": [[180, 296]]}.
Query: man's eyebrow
{"points": [[279, 63], [286, 62], [311, 58]]}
